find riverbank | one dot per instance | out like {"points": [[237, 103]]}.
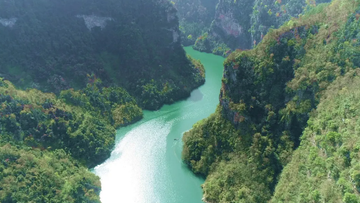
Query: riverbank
{"points": [[146, 164]]}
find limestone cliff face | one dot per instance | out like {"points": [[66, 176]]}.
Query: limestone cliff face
{"points": [[229, 29], [242, 24], [195, 17], [232, 22], [55, 45]]}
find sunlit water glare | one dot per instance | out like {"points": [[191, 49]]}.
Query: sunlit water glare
{"points": [[145, 165]]}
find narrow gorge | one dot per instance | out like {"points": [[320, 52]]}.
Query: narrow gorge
{"points": [[173, 101]]}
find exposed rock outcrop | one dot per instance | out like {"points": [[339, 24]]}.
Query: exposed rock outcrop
{"points": [[195, 17], [242, 24]]}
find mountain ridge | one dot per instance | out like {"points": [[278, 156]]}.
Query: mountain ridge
{"points": [[268, 95]]}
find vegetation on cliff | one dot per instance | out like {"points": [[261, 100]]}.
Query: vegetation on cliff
{"points": [[32, 175], [229, 29], [268, 14], [88, 56], [239, 24], [267, 97], [325, 168], [54, 45], [195, 17], [80, 122], [46, 142]]}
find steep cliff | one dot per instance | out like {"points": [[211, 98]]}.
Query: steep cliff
{"points": [[242, 24], [269, 14], [229, 29], [87, 56], [325, 168], [268, 95], [54, 45], [195, 17]]}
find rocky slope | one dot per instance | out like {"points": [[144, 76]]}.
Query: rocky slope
{"points": [[229, 29], [285, 93], [242, 24], [54, 45], [195, 17]]}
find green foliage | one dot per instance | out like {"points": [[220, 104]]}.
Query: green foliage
{"points": [[214, 149], [198, 67], [327, 159], [52, 47], [229, 29], [195, 17], [114, 104], [155, 92], [52, 139], [295, 91], [126, 114], [205, 43], [350, 198], [42, 176], [2, 83], [83, 127], [243, 24], [316, 9]]}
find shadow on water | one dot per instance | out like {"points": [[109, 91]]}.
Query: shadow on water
{"points": [[196, 95]]}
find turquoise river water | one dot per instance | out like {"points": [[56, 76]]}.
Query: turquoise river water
{"points": [[145, 165]]}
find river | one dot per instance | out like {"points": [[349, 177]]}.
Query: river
{"points": [[145, 165]]}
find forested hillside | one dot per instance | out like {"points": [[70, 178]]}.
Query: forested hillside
{"points": [[47, 142], [285, 128], [239, 24], [53, 45], [87, 56]]}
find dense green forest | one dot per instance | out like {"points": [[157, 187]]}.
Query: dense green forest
{"points": [[47, 142], [285, 129], [239, 24], [71, 72], [286, 126], [32, 175], [54, 45]]}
